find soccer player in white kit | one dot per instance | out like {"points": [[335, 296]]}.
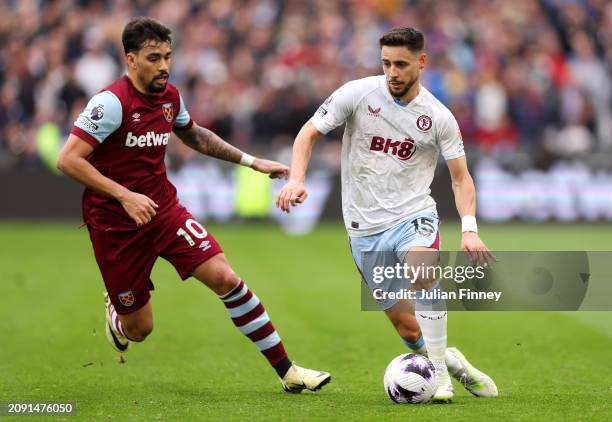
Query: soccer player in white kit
{"points": [[395, 129]]}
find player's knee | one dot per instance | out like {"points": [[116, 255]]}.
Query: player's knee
{"points": [[139, 331], [224, 281]]}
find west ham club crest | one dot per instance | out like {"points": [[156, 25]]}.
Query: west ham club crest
{"points": [[168, 111], [126, 298]]}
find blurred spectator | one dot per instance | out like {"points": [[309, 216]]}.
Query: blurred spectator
{"points": [[255, 70], [95, 68]]}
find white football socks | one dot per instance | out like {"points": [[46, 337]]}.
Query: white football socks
{"points": [[432, 318], [433, 326], [452, 362]]}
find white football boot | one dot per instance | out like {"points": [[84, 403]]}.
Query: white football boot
{"points": [[444, 392], [297, 379], [476, 382], [117, 340]]}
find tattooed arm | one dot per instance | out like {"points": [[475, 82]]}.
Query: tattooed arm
{"points": [[208, 143]]}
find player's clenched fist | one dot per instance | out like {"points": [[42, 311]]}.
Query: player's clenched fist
{"points": [[139, 207], [292, 194]]}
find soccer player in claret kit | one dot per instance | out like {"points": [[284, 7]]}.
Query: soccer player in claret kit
{"points": [[116, 149], [395, 129]]}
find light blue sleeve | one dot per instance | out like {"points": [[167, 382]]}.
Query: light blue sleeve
{"points": [[183, 117], [101, 117]]}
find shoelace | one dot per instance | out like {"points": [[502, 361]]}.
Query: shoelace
{"points": [[464, 379], [441, 369], [468, 381]]}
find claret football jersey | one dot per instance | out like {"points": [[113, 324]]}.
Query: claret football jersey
{"points": [[129, 132]]}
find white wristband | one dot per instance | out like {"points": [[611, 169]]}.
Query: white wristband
{"points": [[247, 160], [468, 224]]}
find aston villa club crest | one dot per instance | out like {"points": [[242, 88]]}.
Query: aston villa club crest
{"points": [[424, 123], [168, 111], [126, 298]]}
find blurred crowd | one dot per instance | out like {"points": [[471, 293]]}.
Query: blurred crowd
{"points": [[521, 75]]}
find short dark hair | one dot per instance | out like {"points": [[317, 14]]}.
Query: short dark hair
{"points": [[140, 30], [408, 37]]}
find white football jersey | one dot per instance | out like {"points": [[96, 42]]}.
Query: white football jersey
{"points": [[389, 151]]}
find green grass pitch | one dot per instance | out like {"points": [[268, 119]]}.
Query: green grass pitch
{"points": [[196, 365]]}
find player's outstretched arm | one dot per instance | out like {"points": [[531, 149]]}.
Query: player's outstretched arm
{"points": [[465, 200], [208, 143], [294, 192], [72, 162]]}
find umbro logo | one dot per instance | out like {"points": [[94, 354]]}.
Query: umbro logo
{"points": [[205, 245], [136, 117], [373, 111]]}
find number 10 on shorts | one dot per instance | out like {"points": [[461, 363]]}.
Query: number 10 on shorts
{"points": [[195, 228]]}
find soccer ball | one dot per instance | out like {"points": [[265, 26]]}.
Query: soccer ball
{"points": [[410, 378]]}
